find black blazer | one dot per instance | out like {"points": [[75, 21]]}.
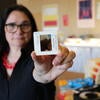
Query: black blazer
{"points": [[21, 85]]}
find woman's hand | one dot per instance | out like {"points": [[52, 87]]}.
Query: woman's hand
{"points": [[49, 67]]}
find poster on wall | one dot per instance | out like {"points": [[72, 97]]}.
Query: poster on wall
{"points": [[50, 17], [65, 20], [85, 13]]}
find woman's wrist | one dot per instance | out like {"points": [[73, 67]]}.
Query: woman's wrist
{"points": [[40, 77]]}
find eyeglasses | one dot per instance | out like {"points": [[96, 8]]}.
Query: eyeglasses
{"points": [[12, 27]]}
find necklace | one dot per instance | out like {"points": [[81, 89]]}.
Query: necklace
{"points": [[6, 64]]}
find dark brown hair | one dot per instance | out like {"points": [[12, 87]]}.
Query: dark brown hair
{"points": [[3, 43]]}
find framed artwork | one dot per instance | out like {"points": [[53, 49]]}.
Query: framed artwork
{"points": [[85, 13], [85, 9], [50, 19]]}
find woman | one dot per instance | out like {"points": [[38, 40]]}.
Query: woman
{"points": [[23, 75]]}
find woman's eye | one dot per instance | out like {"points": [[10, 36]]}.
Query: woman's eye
{"points": [[12, 25]]}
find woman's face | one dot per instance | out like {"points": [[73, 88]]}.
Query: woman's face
{"points": [[18, 29]]}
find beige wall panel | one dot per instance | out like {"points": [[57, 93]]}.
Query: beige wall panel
{"points": [[65, 7]]}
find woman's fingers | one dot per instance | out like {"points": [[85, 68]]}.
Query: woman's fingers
{"points": [[63, 52], [69, 57], [63, 58], [38, 59]]}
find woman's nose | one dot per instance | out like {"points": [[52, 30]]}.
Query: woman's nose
{"points": [[19, 31]]}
